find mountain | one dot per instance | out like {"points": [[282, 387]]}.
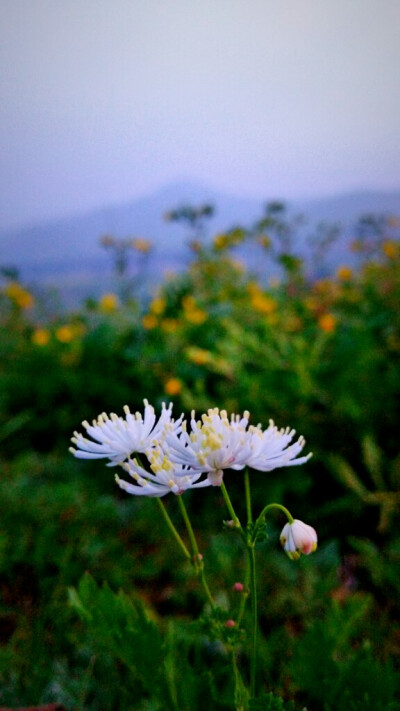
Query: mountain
{"points": [[66, 252]]}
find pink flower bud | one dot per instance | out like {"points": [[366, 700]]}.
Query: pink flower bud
{"points": [[297, 538], [238, 587], [230, 623]]}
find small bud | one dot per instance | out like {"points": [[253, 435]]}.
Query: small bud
{"points": [[230, 623], [238, 587], [297, 538]]}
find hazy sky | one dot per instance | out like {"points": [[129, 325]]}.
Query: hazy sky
{"points": [[106, 100]]}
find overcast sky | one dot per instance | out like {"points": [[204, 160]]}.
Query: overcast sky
{"points": [[103, 101]]}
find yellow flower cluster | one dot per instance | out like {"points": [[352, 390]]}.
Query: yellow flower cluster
{"points": [[19, 295], [344, 273], [327, 323], [63, 334], [193, 313], [40, 337], [108, 303], [390, 249], [260, 301]]}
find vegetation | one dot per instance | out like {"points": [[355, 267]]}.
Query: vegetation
{"points": [[321, 355]]}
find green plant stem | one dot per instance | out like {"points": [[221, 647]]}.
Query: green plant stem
{"points": [[263, 513], [254, 621], [248, 496], [173, 529], [230, 508], [277, 506], [197, 557], [188, 525]]}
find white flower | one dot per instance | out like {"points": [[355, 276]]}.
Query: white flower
{"points": [[297, 538], [161, 481], [215, 443], [270, 450], [117, 438]]}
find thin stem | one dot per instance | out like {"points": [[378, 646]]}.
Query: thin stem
{"points": [[188, 525], [248, 496], [231, 510], [245, 595], [253, 600], [173, 529], [277, 506], [197, 557]]}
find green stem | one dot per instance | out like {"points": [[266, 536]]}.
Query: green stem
{"points": [[276, 506], [248, 496], [197, 557], [188, 525], [173, 529], [245, 595], [253, 601], [230, 508], [263, 513]]}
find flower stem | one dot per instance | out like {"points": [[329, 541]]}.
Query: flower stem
{"points": [[248, 496], [173, 529], [263, 513], [197, 557], [188, 525], [253, 601], [230, 508]]}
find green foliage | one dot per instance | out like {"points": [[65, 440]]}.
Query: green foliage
{"points": [[321, 355], [120, 626], [270, 702], [334, 662]]}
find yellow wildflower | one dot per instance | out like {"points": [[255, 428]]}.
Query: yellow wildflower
{"points": [[149, 322], [189, 302], [19, 295], [344, 273], [199, 356], [65, 334], [173, 386], [40, 337], [158, 305], [390, 248], [196, 316], [263, 303], [327, 322], [221, 241], [108, 303]]}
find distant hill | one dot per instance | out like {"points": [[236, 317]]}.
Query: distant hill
{"points": [[66, 253]]}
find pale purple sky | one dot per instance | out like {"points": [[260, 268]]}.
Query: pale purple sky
{"points": [[102, 101]]}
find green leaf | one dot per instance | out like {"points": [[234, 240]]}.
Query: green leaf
{"points": [[119, 625]]}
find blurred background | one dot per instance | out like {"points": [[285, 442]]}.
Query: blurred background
{"points": [[200, 202]]}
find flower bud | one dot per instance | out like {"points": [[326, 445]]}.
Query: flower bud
{"points": [[238, 587], [297, 538], [230, 623]]}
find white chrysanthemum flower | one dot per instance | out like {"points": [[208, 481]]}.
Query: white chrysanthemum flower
{"points": [[215, 443], [117, 438], [270, 450], [297, 538], [161, 481]]}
